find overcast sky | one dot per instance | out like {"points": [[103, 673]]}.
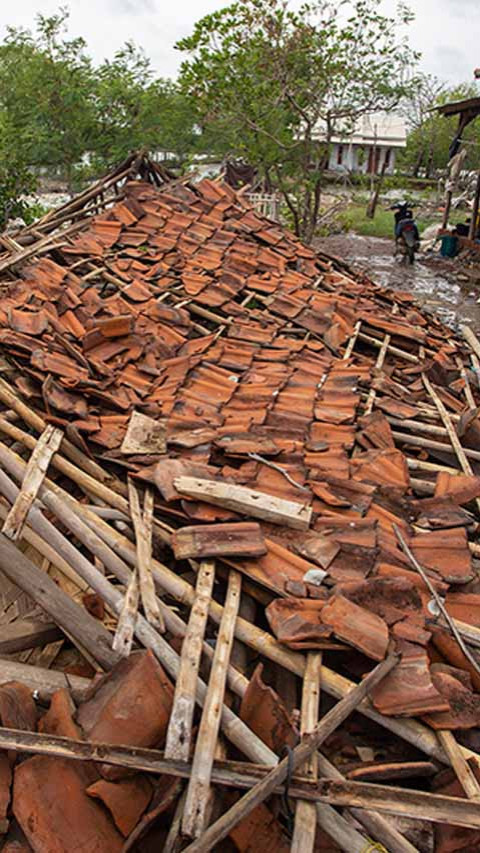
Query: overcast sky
{"points": [[446, 31]]}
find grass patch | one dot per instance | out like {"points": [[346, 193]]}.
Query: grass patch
{"points": [[354, 218]]}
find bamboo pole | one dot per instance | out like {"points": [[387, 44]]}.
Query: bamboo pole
{"points": [[429, 444]]}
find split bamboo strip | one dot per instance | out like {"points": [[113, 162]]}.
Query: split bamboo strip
{"points": [[303, 840], [48, 444], [463, 771], [179, 733], [142, 523], [125, 631], [378, 366], [194, 817], [352, 341]]}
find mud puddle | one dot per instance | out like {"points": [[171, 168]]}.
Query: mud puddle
{"points": [[430, 279]]}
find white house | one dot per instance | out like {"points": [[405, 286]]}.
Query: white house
{"points": [[375, 140]]}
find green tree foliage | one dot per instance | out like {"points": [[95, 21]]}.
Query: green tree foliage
{"points": [[46, 85], [136, 110], [61, 114], [431, 134], [275, 85], [16, 179]]}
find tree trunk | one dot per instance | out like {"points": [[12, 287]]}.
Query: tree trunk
{"points": [[372, 204]]}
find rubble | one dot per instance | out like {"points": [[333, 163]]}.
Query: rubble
{"points": [[236, 482]]}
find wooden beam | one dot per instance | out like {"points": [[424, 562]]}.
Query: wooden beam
{"points": [[27, 634], [239, 774], [246, 501]]}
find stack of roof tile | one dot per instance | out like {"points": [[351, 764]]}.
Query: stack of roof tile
{"points": [[313, 433]]}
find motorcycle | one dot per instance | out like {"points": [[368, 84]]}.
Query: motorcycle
{"points": [[407, 238]]}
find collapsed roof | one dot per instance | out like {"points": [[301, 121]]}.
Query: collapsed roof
{"points": [[310, 437]]}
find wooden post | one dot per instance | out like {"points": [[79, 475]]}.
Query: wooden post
{"points": [[476, 204], [446, 212]]}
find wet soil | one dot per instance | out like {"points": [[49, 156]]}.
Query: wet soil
{"points": [[433, 280]]}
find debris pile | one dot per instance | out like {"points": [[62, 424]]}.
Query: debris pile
{"points": [[240, 491]]}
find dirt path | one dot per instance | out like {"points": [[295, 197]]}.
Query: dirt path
{"points": [[431, 279]]}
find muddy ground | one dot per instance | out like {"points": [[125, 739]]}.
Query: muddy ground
{"points": [[432, 279]]}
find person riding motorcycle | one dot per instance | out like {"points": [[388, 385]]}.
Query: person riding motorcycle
{"points": [[405, 230]]}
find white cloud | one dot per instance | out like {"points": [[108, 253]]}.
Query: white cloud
{"points": [[446, 31]]}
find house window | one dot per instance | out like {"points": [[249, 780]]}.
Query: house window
{"points": [[388, 154], [339, 155]]}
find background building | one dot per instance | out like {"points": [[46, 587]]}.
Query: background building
{"points": [[375, 140]]}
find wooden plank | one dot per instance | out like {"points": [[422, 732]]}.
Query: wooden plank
{"points": [[71, 617], [239, 774], [179, 734], [246, 501], [26, 634], [263, 789], [237, 539], [199, 785], [145, 435], [303, 840], [143, 524], [48, 444]]}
